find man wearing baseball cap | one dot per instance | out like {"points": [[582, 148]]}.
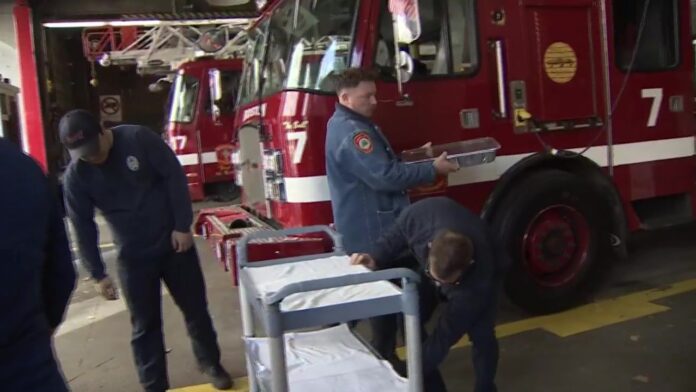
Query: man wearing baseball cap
{"points": [[137, 183]]}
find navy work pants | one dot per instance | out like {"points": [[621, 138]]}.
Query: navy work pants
{"points": [[29, 364], [140, 280], [484, 353]]}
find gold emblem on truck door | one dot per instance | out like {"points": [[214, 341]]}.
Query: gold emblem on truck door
{"points": [[560, 62]]}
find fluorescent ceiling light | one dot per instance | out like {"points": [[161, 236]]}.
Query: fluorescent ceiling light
{"points": [[146, 23], [57, 25]]}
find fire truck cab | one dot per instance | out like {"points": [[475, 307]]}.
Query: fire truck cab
{"points": [[200, 124], [591, 101]]}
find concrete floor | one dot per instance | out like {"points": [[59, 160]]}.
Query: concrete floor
{"points": [[621, 342]]}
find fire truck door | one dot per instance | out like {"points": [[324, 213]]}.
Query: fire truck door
{"points": [[251, 162], [561, 82]]}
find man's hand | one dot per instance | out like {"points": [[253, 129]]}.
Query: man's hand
{"points": [[443, 167], [106, 288], [428, 148], [363, 259], [182, 241]]}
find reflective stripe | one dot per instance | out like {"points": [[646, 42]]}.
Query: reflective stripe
{"points": [[316, 189], [307, 189], [192, 159], [624, 154]]}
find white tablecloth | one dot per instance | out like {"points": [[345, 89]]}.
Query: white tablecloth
{"points": [[270, 279], [328, 360]]}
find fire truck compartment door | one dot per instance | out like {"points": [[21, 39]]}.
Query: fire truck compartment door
{"points": [[563, 75]]}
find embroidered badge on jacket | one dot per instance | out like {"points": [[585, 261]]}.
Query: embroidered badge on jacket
{"points": [[363, 142]]}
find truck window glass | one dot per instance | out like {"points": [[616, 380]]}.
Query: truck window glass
{"points": [[447, 45], [279, 44], [321, 43], [462, 29], [302, 57], [251, 76], [184, 99], [658, 48], [230, 87]]}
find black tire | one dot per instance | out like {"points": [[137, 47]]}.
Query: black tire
{"points": [[567, 198]]}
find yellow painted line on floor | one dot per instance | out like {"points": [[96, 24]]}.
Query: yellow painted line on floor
{"points": [[240, 385], [582, 319], [591, 316]]}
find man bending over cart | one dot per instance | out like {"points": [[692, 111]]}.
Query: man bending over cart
{"points": [[456, 250]]}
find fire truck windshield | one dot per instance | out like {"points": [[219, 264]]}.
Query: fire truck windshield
{"points": [[184, 99], [300, 55]]}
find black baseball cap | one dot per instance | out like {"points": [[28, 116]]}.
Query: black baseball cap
{"points": [[79, 132]]}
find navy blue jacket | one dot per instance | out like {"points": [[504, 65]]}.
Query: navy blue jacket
{"points": [[367, 182], [37, 275], [414, 230], [142, 192]]}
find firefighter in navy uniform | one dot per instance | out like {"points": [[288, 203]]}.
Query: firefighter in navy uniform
{"points": [[136, 181], [457, 251], [37, 275], [367, 182]]}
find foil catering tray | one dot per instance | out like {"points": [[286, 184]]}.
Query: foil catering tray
{"points": [[466, 153]]}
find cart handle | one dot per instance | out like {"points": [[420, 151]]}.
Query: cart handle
{"points": [[339, 281], [242, 245]]}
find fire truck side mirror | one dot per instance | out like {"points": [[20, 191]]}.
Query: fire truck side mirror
{"points": [[215, 81], [405, 66]]}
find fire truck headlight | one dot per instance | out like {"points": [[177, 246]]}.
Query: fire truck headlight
{"points": [[273, 170], [273, 162]]}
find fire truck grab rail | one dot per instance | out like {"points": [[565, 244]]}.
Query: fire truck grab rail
{"points": [[243, 244]]}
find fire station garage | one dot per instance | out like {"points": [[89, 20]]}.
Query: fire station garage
{"points": [[348, 195]]}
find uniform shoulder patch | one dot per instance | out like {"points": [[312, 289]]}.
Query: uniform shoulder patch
{"points": [[363, 142]]}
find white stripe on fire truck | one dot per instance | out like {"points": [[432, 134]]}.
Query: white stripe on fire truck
{"points": [[192, 159], [307, 189], [316, 189], [624, 154]]}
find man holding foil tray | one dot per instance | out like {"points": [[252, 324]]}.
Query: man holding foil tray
{"points": [[367, 182]]}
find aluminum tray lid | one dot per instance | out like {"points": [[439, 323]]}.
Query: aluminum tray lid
{"points": [[484, 145]]}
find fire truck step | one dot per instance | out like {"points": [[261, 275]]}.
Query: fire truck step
{"points": [[664, 211]]}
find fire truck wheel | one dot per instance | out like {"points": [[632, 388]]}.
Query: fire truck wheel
{"points": [[552, 224]]}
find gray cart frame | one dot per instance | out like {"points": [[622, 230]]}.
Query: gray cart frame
{"points": [[275, 322]]}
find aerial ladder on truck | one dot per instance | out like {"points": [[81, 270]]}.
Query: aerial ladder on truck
{"points": [[202, 62]]}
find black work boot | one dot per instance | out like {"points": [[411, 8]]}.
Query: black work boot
{"points": [[218, 377]]}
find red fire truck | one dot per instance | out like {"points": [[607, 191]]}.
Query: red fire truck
{"points": [[590, 100], [200, 126]]}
